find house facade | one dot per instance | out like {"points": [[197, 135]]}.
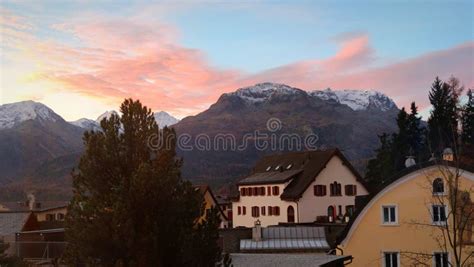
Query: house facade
{"points": [[298, 187], [407, 222]]}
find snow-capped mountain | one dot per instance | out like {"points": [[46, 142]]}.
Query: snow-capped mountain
{"points": [[262, 92], [357, 99], [16, 113], [164, 119], [106, 114], [87, 124]]}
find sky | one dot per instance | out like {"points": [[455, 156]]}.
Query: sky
{"points": [[84, 57]]}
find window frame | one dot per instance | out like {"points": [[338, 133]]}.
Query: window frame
{"points": [[443, 193], [352, 188], [321, 192], [445, 214], [448, 258], [382, 217], [384, 253]]}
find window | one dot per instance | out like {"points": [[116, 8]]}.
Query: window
{"points": [[277, 167], [291, 214], [389, 214], [255, 191], [438, 186], [269, 190], [350, 189], [319, 190], [335, 189], [289, 166], [242, 192], [331, 211], [239, 210], [60, 216], [262, 191], [249, 191], [439, 214], [440, 259], [255, 211], [276, 190], [244, 210], [263, 211], [50, 217], [269, 168], [391, 259], [270, 211], [276, 211]]}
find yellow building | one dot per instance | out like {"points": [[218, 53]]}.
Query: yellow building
{"points": [[210, 202], [409, 222]]}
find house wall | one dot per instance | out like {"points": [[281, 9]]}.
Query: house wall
{"points": [[311, 206], [208, 204], [261, 201], [368, 238], [42, 215]]}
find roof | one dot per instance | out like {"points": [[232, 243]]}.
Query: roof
{"points": [[269, 177], [288, 260], [12, 222], [365, 200], [44, 205], [298, 238], [305, 166]]}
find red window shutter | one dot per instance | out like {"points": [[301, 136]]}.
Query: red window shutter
{"points": [[262, 190], [269, 190], [315, 192], [324, 190], [331, 189], [270, 211], [239, 210], [276, 190], [263, 210], [355, 190], [347, 189], [250, 191], [339, 189], [277, 211], [244, 210], [255, 191], [242, 191], [257, 212]]}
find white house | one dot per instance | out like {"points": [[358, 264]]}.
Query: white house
{"points": [[297, 187]]}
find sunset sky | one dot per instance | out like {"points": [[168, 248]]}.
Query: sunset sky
{"points": [[84, 57]]}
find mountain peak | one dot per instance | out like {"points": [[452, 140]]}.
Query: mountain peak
{"points": [[106, 114], [357, 99], [164, 119], [15, 113], [261, 92]]}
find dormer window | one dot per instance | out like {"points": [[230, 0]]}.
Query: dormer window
{"points": [[438, 186], [269, 168], [277, 168], [289, 166]]}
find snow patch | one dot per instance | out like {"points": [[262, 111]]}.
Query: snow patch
{"points": [[357, 99], [163, 119], [16, 113]]}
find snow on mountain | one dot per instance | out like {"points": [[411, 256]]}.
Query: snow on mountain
{"points": [[164, 119], [107, 115], [87, 124], [263, 91], [15, 113], [357, 99]]}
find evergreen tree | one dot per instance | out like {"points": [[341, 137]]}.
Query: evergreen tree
{"points": [[130, 206], [416, 133], [381, 168], [4, 260], [443, 121], [468, 120], [400, 147]]}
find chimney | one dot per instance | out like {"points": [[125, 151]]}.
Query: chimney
{"points": [[448, 154], [410, 161], [257, 231], [31, 201]]}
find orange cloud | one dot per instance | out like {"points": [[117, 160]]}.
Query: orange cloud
{"points": [[115, 59]]}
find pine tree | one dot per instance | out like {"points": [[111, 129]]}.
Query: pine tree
{"points": [[468, 120], [416, 133], [130, 206], [443, 121], [381, 168], [401, 141]]}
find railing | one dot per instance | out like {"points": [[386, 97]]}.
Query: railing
{"points": [[37, 250]]}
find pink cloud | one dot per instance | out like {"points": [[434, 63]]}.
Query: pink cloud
{"points": [[116, 59]]}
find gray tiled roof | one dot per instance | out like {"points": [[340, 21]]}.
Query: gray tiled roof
{"points": [[12, 222], [269, 177]]}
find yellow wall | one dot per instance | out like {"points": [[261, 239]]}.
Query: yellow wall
{"points": [[208, 204], [368, 238]]}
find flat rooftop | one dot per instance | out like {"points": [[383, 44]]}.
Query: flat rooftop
{"points": [[287, 260]]}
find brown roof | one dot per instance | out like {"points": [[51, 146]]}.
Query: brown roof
{"points": [[37, 206], [269, 177], [203, 189], [305, 167]]}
